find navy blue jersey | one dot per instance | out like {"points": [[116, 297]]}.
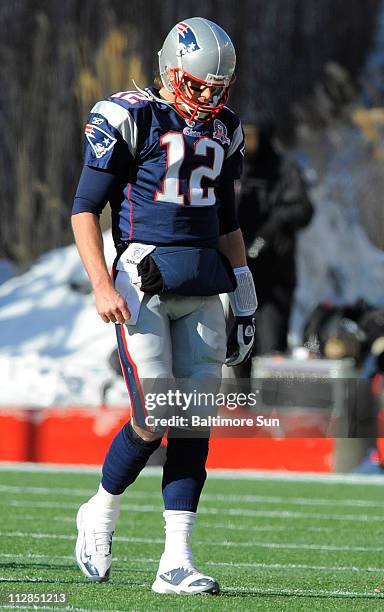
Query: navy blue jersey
{"points": [[172, 173]]}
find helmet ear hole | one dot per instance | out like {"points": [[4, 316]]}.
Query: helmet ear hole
{"points": [[171, 77]]}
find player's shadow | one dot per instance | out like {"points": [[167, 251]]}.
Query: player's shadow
{"points": [[17, 565], [13, 565], [277, 593]]}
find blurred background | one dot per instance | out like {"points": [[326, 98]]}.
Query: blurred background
{"points": [[314, 70]]}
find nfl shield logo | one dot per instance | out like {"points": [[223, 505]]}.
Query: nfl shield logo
{"points": [[220, 132]]}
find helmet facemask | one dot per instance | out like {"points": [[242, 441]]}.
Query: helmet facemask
{"points": [[185, 87]]}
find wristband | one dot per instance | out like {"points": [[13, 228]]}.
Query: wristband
{"points": [[244, 299]]}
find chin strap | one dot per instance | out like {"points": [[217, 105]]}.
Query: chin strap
{"points": [[148, 94]]}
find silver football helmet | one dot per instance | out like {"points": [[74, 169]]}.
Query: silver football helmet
{"points": [[196, 53]]}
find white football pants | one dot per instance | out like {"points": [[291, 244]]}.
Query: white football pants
{"points": [[174, 337]]}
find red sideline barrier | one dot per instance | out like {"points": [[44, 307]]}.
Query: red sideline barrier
{"points": [[59, 435], [82, 435], [297, 454], [15, 435]]}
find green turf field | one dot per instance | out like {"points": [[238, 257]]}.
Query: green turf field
{"points": [[272, 544]]}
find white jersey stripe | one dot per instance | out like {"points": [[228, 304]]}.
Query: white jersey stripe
{"points": [[237, 139]]}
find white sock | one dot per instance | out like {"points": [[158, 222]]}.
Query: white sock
{"points": [[178, 532], [103, 499], [105, 507]]}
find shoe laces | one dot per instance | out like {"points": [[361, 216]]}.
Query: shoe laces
{"points": [[102, 542]]}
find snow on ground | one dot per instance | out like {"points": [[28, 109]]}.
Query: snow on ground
{"points": [[7, 270], [336, 263], [53, 345], [336, 260]]}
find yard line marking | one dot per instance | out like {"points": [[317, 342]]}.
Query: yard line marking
{"points": [[73, 506], [224, 564], [282, 515], [270, 499], [35, 556], [228, 526], [37, 535], [329, 547], [118, 558], [27, 466], [302, 501], [300, 566], [262, 528], [273, 475]]}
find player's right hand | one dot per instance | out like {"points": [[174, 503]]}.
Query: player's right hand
{"points": [[111, 306]]}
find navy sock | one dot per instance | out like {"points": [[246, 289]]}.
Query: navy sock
{"points": [[184, 473], [127, 456]]}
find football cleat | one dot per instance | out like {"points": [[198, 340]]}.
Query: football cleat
{"points": [[185, 581], [93, 547]]}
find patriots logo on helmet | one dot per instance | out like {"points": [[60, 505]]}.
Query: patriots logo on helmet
{"points": [[187, 38], [220, 132]]}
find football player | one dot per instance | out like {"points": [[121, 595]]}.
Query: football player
{"points": [[166, 160]]}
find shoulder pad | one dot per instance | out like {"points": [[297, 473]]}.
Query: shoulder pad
{"points": [[118, 115], [130, 99]]}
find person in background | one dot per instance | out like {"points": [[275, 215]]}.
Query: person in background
{"points": [[273, 206], [355, 331]]}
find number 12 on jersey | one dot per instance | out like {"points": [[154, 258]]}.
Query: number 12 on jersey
{"points": [[176, 152]]}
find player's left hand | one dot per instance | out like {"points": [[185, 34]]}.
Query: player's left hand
{"points": [[240, 341]]}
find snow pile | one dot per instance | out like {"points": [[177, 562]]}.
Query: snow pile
{"points": [[53, 345], [336, 260], [336, 263]]}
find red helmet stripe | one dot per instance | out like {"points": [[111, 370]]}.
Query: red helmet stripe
{"points": [[182, 26]]}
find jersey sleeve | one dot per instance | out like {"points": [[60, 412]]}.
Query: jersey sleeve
{"points": [[110, 137], [233, 164], [93, 190]]}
